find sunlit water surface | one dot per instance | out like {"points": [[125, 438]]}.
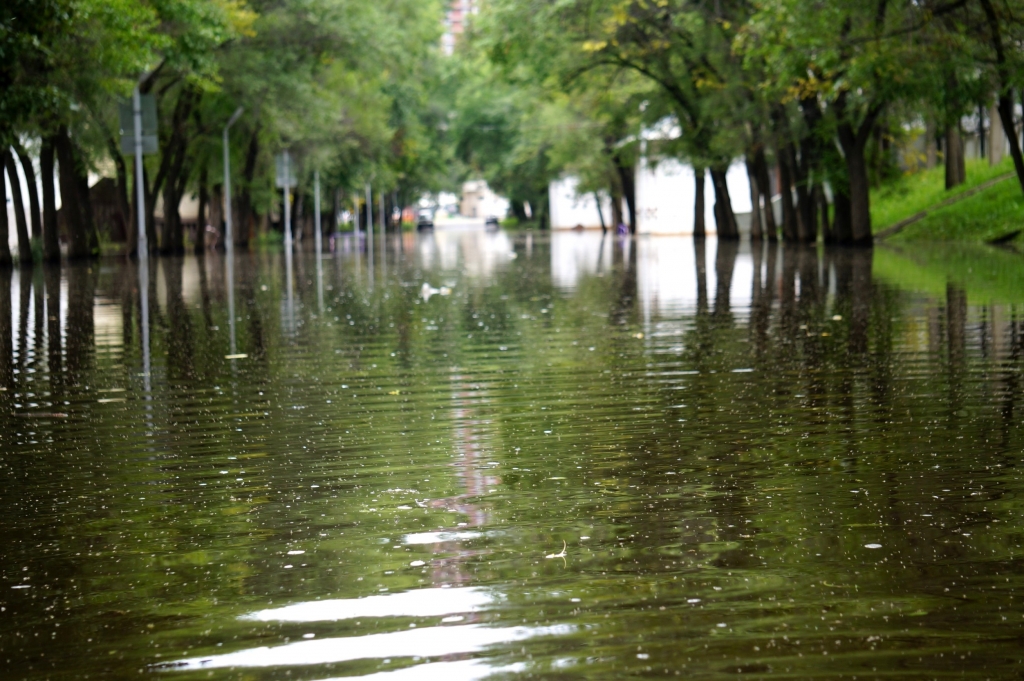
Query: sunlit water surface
{"points": [[513, 456]]}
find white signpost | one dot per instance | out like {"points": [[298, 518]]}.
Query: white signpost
{"points": [[286, 180]]}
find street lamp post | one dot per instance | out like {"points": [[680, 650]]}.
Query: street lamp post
{"points": [[316, 213], [287, 202], [229, 234]]}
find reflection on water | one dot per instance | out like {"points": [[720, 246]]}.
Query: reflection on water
{"points": [[471, 454], [418, 603]]}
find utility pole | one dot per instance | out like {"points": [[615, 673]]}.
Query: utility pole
{"points": [[316, 213], [229, 232], [142, 247], [287, 202]]}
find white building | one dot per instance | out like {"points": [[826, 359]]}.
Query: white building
{"points": [[665, 199], [479, 201]]}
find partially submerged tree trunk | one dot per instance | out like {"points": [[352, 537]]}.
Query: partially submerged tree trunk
{"points": [[51, 238], [204, 200], [616, 207], [216, 213], [6, 262], [770, 228], [857, 173], [85, 201], [789, 228], [841, 222], [627, 180], [119, 231], [755, 201], [699, 228], [725, 218], [71, 197], [600, 213], [24, 245], [828, 236], [33, 195], [245, 211]]}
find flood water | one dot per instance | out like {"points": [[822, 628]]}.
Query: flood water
{"points": [[515, 456]]}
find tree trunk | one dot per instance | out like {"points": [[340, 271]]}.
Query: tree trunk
{"points": [[216, 213], [789, 227], [245, 212], [33, 194], [204, 200], [616, 208], [78, 239], [725, 218], [172, 220], [806, 224], [755, 201], [336, 209], [119, 230], [51, 238], [956, 173], [841, 222], [24, 245], [85, 201], [600, 213], [854, 141], [1005, 106], [931, 152], [860, 200], [996, 143], [765, 183], [828, 236], [173, 240], [5, 251], [699, 228], [628, 181]]}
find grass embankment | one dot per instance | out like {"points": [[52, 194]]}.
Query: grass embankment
{"points": [[989, 214]]}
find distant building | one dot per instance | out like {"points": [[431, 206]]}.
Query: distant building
{"points": [[665, 200], [455, 22], [478, 201]]}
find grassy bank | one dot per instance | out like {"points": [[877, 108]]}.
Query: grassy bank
{"points": [[987, 215]]}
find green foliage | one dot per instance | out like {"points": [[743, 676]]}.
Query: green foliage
{"points": [[915, 192], [991, 214]]}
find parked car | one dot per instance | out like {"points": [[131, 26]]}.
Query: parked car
{"points": [[425, 220], [491, 224]]}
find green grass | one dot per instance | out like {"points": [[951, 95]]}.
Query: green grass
{"points": [[911, 194], [991, 214]]}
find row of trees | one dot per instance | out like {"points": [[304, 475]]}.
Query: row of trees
{"points": [[812, 92], [348, 87]]}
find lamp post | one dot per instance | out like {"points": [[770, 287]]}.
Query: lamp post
{"points": [[140, 194], [287, 202], [317, 238], [229, 232]]}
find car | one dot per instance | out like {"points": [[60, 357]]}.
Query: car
{"points": [[425, 221], [491, 224]]}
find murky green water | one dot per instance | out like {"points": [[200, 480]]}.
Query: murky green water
{"points": [[520, 457]]}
